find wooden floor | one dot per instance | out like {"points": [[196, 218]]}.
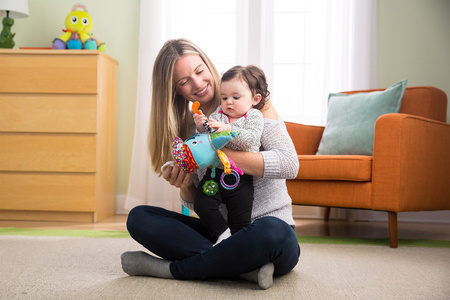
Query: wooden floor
{"points": [[305, 227]]}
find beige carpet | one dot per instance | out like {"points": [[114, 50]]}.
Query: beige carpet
{"points": [[89, 268]]}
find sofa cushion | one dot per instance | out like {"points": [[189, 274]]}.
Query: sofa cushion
{"points": [[350, 126], [335, 167]]}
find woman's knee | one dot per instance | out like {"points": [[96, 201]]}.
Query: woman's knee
{"points": [[133, 217], [276, 231], [136, 216]]}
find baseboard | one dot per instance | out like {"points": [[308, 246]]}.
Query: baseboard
{"points": [[440, 216], [316, 212]]}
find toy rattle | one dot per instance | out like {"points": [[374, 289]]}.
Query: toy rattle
{"points": [[195, 109]]}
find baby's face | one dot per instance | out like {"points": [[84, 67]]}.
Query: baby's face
{"points": [[237, 99]]}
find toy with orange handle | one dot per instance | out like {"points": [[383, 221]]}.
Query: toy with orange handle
{"points": [[197, 111], [195, 107]]}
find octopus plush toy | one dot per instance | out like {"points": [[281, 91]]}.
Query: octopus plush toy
{"points": [[202, 151], [77, 34]]}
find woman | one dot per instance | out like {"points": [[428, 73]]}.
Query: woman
{"points": [[182, 73]]}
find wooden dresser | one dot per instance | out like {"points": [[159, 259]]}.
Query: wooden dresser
{"points": [[58, 135]]}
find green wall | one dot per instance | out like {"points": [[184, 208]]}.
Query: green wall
{"points": [[413, 43], [116, 22]]}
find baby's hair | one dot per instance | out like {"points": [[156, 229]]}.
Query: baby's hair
{"points": [[255, 79]]}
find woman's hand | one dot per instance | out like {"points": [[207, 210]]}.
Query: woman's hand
{"points": [[178, 178]]}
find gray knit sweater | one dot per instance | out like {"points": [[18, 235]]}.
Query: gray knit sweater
{"points": [[271, 197], [251, 126]]}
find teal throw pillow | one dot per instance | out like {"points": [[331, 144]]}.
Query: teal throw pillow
{"points": [[350, 126]]}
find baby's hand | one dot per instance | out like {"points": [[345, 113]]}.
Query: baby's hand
{"points": [[199, 121], [219, 126]]}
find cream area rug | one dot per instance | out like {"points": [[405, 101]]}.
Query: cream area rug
{"points": [[89, 268]]}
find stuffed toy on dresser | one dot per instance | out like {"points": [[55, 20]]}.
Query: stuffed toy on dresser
{"points": [[77, 34]]}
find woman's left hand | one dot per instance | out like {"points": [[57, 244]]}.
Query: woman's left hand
{"points": [[177, 177]]}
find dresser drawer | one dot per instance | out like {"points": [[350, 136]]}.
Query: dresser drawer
{"points": [[47, 192], [58, 128], [48, 152], [48, 113], [53, 72]]}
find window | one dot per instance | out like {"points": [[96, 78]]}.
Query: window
{"points": [[303, 56], [294, 47], [212, 25]]}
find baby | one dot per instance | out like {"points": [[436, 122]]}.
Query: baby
{"points": [[243, 92]]}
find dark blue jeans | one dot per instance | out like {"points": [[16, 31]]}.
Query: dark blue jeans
{"points": [[186, 242]]}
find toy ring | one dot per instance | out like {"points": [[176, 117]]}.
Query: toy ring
{"points": [[230, 187]]}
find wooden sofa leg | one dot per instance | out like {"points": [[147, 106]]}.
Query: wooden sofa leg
{"points": [[392, 216], [326, 215]]}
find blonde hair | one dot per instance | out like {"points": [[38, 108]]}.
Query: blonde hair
{"points": [[170, 114]]}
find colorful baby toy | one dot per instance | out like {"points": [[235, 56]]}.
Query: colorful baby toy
{"points": [[203, 150], [77, 34]]}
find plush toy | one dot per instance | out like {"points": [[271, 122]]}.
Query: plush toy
{"points": [[203, 150], [77, 34]]}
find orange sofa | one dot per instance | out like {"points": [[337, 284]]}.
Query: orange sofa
{"points": [[408, 171]]}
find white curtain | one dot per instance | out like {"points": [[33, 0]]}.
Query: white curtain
{"points": [[350, 63], [144, 186], [351, 60]]}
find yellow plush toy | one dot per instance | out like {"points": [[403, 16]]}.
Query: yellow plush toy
{"points": [[77, 34]]}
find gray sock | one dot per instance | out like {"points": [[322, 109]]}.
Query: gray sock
{"points": [[143, 264], [263, 276]]}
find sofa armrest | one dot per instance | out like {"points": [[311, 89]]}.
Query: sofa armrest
{"points": [[411, 164], [306, 138]]}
